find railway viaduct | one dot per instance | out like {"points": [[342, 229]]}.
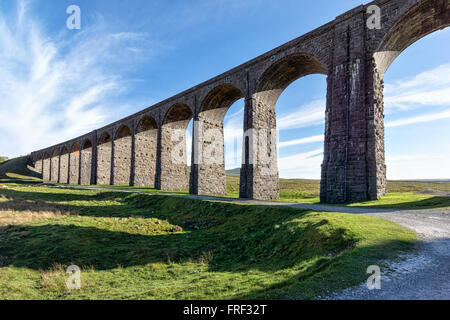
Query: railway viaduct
{"points": [[149, 149]]}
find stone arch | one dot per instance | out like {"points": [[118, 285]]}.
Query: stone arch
{"points": [[173, 173], [145, 151], [104, 149], [208, 165], [278, 76], [423, 18], [259, 172], [54, 171], [86, 162], [64, 166], [122, 156], [74, 164]]}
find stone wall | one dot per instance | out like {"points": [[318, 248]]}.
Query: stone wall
{"points": [[174, 171], [86, 163], [46, 168], [122, 157], [145, 152], [64, 167], [104, 149], [54, 167], [74, 167]]}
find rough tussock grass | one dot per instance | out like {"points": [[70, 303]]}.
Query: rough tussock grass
{"points": [[138, 246]]}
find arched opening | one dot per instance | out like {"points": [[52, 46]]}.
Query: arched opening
{"points": [[46, 167], [64, 166], [411, 79], [209, 176], [233, 135], [104, 148], [300, 126], [86, 162], [422, 19], [300, 113], [54, 171], [74, 164], [122, 156], [145, 150], [174, 171]]}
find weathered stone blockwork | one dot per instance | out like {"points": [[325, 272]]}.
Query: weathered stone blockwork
{"points": [[74, 164], [104, 156], [149, 147], [145, 152], [64, 166], [86, 163]]}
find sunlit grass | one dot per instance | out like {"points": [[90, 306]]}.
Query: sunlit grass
{"points": [[141, 246]]}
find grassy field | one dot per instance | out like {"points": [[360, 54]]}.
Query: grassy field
{"points": [[141, 246]]}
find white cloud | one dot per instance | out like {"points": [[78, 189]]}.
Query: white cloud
{"points": [[308, 115], [319, 138], [418, 166], [419, 119], [429, 88], [56, 88], [303, 165]]}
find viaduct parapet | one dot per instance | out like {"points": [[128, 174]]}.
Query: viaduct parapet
{"points": [[148, 148]]}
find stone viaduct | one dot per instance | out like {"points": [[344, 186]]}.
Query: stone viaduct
{"points": [[138, 150]]}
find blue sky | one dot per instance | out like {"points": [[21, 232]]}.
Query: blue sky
{"points": [[59, 83]]}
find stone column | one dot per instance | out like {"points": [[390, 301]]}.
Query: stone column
{"points": [[86, 163], [54, 167], [104, 158], [145, 152], [74, 164], [122, 157], [353, 169], [259, 171], [174, 171], [46, 164], [208, 161], [64, 167]]}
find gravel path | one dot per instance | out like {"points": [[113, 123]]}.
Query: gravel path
{"points": [[422, 275]]}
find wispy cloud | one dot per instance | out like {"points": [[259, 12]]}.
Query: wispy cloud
{"points": [[302, 165], [308, 115], [419, 119], [55, 88], [429, 88], [297, 142]]}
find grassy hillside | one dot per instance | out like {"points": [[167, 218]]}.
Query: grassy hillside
{"points": [[17, 169], [143, 246]]}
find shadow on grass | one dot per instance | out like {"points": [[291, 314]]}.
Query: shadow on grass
{"points": [[43, 247], [227, 237]]}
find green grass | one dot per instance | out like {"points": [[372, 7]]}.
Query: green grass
{"points": [[141, 246], [405, 200]]}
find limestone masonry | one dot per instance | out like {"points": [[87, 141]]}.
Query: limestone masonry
{"points": [[140, 149]]}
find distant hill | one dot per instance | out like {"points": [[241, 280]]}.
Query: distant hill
{"points": [[233, 172]]}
